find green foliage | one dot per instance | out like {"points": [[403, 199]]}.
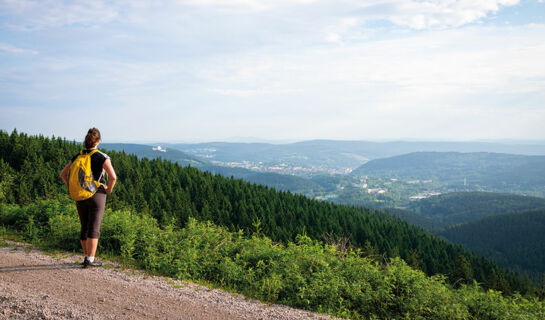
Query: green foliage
{"points": [[491, 305], [119, 233], [64, 231], [462, 207], [513, 240], [56, 219], [30, 232], [277, 181], [304, 273]]}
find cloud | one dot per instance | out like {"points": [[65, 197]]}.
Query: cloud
{"points": [[278, 69], [406, 83], [253, 5], [254, 92], [441, 13], [17, 51], [473, 57], [334, 33], [35, 15]]}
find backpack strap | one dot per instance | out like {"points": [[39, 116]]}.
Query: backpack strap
{"points": [[102, 173], [89, 154]]}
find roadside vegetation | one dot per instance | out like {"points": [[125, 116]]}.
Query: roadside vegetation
{"points": [[305, 273]]}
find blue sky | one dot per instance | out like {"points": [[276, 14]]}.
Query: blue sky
{"points": [[201, 70]]}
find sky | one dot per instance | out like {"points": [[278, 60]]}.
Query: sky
{"points": [[277, 70]]}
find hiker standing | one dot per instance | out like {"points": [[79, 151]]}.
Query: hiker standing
{"points": [[84, 175]]}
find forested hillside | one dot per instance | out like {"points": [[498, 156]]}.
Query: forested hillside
{"points": [[277, 181], [465, 171], [29, 168], [461, 207], [516, 240]]}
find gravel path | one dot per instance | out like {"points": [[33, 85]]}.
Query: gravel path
{"points": [[38, 286]]}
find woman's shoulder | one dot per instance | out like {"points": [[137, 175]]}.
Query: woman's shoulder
{"points": [[101, 155]]}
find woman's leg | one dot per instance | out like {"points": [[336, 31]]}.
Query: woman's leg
{"points": [[83, 212], [95, 219], [84, 247], [92, 244]]}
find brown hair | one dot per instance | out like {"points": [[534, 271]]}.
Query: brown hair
{"points": [[92, 137]]}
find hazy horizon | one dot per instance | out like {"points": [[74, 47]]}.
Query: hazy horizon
{"points": [[250, 140], [286, 70]]}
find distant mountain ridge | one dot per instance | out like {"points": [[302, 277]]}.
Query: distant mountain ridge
{"points": [[342, 154], [471, 171], [156, 151], [270, 179]]}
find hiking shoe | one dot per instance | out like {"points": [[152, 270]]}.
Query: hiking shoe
{"points": [[85, 262], [93, 264]]}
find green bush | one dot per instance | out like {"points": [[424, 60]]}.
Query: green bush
{"points": [[35, 220], [64, 229], [491, 305]]}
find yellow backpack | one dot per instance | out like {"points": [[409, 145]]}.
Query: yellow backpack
{"points": [[81, 184]]}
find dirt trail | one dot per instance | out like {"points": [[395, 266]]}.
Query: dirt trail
{"points": [[38, 286]]}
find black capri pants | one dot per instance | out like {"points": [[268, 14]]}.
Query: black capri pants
{"points": [[90, 213]]}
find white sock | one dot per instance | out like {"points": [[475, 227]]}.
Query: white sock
{"points": [[91, 259]]}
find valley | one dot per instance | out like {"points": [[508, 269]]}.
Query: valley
{"points": [[346, 172], [442, 192]]}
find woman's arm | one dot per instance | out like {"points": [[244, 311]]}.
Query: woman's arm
{"points": [[112, 178], [64, 173]]}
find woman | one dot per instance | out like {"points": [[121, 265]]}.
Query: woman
{"points": [[91, 210]]}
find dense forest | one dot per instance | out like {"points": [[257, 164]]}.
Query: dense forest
{"points": [[460, 207], [515, 240], [172, 194]]}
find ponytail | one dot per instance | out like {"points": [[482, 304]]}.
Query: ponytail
{"points": [[92, 137]]}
